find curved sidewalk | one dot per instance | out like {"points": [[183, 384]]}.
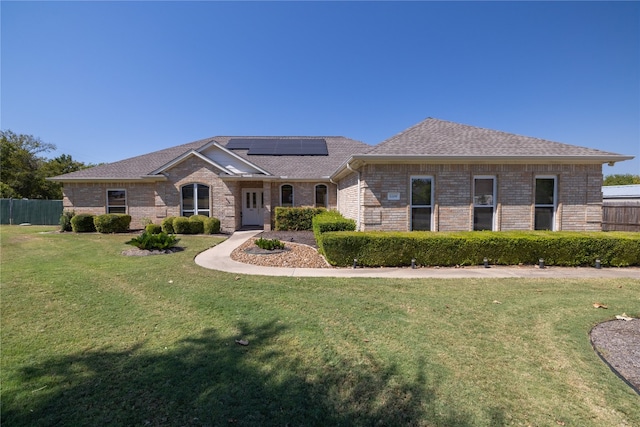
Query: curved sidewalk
{"points": [[218, 258]]}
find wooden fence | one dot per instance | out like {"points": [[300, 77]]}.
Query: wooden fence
{"points": [[621, 216]]}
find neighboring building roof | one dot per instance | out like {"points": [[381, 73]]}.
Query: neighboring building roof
{"points": [[621, 191]]}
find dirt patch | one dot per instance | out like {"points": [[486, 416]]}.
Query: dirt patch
{"points": [[144, 252]]}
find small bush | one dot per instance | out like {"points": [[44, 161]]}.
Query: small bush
{"points": [[148, 241], [295, 219], [211, 225], [269, 244], [167, 225], [196, 224], [153, 228], [330, 221], [65, 220], [82, 223], [181, 225], [112, 223]]}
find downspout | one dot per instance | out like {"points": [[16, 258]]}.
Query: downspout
{"points": [[359, 207]]}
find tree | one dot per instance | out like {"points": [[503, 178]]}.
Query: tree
{"points": [[23, 170], [621, 179]]}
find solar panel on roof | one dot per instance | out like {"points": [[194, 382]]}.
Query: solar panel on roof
{"points": [[280, 146], [239, 144]]}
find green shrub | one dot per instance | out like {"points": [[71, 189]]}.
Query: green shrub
{"points": [[149, 241], [393, 249], [153, 228], [82, 223], [112, 223], [65, 220], [196, 224], [329, 221], [211, 225], [295, 219], [269, 244], [181, 225], [167, 224]]}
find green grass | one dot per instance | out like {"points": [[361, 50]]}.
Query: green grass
{"points": [[90, 337]]}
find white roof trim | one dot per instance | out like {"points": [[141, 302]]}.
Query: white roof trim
{"points": [[183, 157], [230, 152]]}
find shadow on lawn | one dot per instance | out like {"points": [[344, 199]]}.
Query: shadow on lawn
{"points": [[210, 380]]}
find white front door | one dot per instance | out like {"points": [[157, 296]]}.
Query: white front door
{"points": [[252, 206]]}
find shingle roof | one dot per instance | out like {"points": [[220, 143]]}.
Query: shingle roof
{"points": [[304, 167], [294, 167], [433, 137]]}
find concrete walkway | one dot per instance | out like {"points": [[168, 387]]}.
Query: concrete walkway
{"points": [[218, 258]]}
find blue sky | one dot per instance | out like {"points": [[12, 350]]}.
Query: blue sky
{"points": [[104, 81]]}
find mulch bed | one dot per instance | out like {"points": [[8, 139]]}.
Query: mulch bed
{"points": [[617, 342]]}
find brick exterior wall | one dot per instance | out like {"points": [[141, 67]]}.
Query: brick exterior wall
{"points": [[348, 196], [157, 200], [579, 196]]}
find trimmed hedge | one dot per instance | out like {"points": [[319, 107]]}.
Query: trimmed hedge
{"points": [[153, 229], [329, 221], [195, 224], [211, 225], [83, 223], [181, 225], [167, 225], [295, 219], [112, 223], [391, 249]]}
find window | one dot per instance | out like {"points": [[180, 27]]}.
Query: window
{"points": [[483, 203], [195, 200], [421, 207], [321, 196], [545, 203], [116, 201], [286, 195]]}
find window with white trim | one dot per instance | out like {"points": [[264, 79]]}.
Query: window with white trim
{"points": [[421, 203], [117, 201], [484, 199], [321, 196], [286, 195], [195, 200], [545, 202]]}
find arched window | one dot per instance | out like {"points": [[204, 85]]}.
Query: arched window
{"points": [[286, 195], [321, 196], [195, 200]]}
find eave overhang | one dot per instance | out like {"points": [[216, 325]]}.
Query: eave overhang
{"points": [[358, 161], [142, 178]]}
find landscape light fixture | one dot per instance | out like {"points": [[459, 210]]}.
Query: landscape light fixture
{"points": [[486, 263], [541, 263]]}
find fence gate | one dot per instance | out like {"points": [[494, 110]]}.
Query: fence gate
{"points": [[31, 211]]}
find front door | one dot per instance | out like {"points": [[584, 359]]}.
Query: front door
{"points": [[252, 206]]}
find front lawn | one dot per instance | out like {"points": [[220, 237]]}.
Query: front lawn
{"points": [[91, 337]]}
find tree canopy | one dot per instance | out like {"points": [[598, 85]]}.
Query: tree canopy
{"points": [[621, 179], [24, 169]]}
